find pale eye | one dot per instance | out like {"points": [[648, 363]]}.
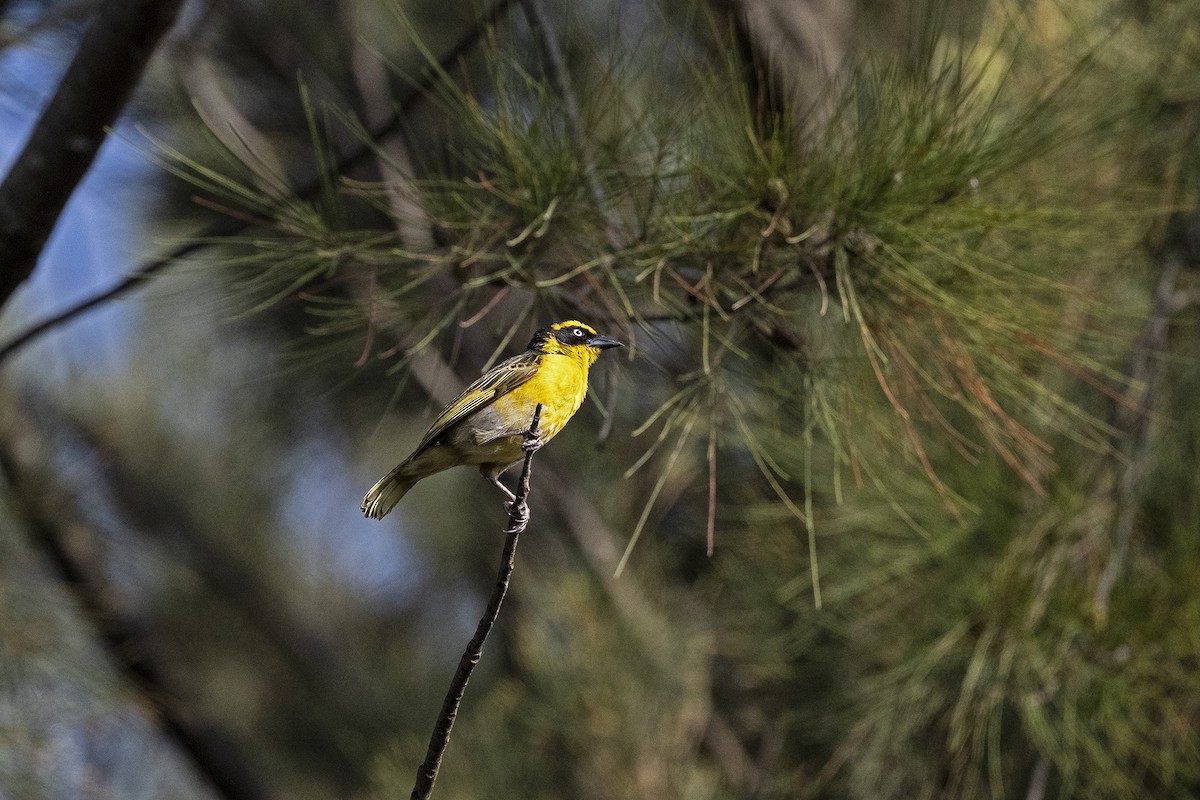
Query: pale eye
{"points": [[578, 333]]}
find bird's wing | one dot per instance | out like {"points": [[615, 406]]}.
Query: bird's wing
{"points": [[497, 381]]}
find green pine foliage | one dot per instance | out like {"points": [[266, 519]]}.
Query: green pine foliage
{"points": [[881, 351], [906, 221]]}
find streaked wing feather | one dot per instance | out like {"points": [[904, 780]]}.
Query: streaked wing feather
{"points": [[496, 382]]}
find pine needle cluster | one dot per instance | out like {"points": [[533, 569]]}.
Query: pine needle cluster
{"points": [[884, 337]]}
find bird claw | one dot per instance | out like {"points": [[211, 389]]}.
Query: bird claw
{"points": [[532, 442], [518, 519]]}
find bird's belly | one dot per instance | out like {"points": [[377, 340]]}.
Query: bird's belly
{"points": [[560, 386]]}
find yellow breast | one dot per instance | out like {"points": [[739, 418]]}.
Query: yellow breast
{"points": [[559, 385]]}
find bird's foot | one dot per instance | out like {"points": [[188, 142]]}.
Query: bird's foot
{"points": [[517, 518], [532, 442]]}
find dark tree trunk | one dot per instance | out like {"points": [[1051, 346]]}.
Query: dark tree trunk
{"points": [[112, 55]]}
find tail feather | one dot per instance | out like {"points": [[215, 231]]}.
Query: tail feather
{"points": [[383, 496]]}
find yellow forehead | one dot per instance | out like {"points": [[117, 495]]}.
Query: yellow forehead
{"points": [[573, 323]]}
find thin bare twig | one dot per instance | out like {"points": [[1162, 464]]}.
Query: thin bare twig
{"points": [[518, 518], [134, 280]]}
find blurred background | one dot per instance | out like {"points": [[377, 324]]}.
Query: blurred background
{"points": [[891, 494]]}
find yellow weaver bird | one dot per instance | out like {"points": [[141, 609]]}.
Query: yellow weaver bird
{"points": [[485, 426]]}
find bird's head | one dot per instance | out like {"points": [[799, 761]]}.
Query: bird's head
{"points": [[572, 338]]}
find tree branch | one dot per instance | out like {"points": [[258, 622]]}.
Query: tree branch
{"points": [[151, 510], [229, 226], [223, 227], [64, 542], [1132, 418], [1038, 778], [56, 17], [107, 66], [518, 518], [791, 51], [560, 76]]}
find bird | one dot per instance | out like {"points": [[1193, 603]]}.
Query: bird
{"points": [[488, 424]]}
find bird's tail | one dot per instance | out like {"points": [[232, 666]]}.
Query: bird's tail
{"points": [[383, 496]]}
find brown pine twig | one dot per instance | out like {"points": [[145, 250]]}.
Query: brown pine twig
{"points": [[518, 519]]}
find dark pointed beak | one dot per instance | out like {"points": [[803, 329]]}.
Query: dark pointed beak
{"points": [[604, 342]]}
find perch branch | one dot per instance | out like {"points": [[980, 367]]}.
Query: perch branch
{"points": [[518, 518]]}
